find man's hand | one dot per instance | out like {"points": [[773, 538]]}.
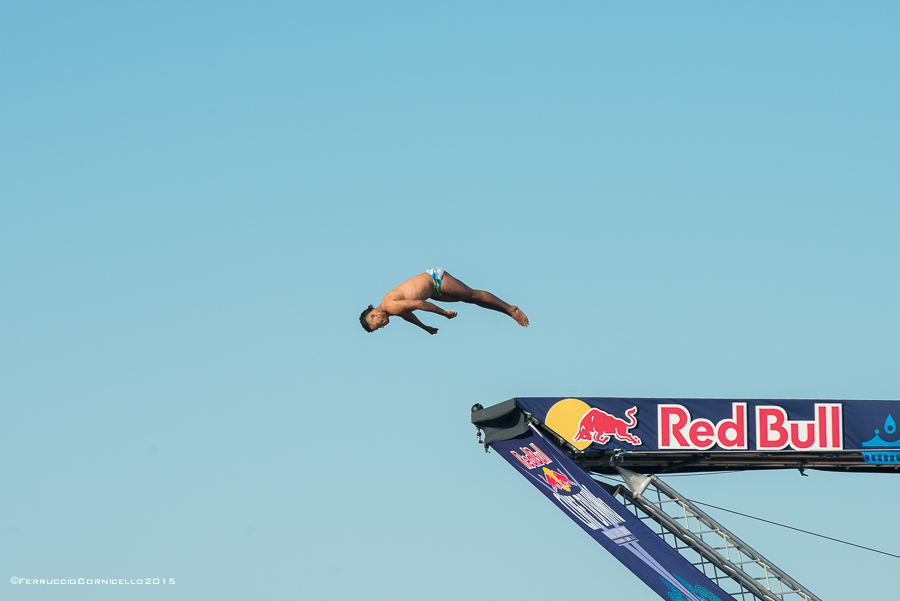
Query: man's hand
{"points": [[411, 318], [449, 314]]}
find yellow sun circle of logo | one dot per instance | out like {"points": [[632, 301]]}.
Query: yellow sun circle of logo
{"points": [[563, 418]]}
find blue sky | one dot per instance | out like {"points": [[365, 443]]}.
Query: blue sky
{"points": [[198, 199]]}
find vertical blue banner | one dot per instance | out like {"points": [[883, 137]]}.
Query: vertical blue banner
{"points": [[607, 521]]}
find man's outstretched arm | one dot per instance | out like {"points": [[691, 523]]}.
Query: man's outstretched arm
{"points": [[411, 318], [405, 306]]}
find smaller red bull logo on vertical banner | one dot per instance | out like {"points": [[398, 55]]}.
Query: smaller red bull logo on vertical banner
{"points": [[532, 458], [558, 481], [599, 426]]}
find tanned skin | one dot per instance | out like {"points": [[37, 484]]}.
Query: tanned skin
{"points": [[415, 295]]}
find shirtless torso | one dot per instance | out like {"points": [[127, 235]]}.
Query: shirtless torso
{"points": [[416, 293], [418, 288]]}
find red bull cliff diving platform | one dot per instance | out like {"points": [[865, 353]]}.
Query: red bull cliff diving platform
{"points": [[562, 445]]}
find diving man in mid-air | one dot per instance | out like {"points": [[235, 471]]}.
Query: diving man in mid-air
{"points": [[435, 284]]}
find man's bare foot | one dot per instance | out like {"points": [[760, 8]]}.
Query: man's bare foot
{"points": [[450, 314], [519, 316]]}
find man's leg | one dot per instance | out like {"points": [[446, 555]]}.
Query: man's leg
{"points": [[457, 291]]}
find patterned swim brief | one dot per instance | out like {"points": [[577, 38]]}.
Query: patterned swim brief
{"points": [[437, 275]]}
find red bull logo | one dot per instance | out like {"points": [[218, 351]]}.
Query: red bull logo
{"points": [[715, 424], [599, 426], [558, 481]]}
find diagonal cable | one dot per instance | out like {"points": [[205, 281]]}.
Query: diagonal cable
{"points": [[837, 540]]}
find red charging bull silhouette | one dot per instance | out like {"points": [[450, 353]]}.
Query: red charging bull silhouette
{"points": [[597, 426], [558, 481]]}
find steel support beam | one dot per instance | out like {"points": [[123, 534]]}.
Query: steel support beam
{"points": [[676, 515]]}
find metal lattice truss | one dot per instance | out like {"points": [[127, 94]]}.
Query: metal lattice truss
{"points": [[720, 555]]}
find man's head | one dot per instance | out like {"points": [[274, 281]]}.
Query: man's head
{"points": [[373, 319]]}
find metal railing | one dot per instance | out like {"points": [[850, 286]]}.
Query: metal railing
{"points": [[723, 557]]}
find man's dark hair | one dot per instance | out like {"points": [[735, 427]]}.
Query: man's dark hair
{"points": [[362, 318]]}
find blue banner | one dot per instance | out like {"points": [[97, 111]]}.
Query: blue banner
{"points": [[815, 426], [607, 521]]}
